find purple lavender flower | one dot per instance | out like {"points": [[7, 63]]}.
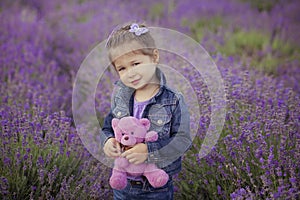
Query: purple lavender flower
{"points": [[42, 46]]}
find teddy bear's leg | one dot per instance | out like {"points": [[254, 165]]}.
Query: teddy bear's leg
{"points": [[156, 177], [118, 179]]}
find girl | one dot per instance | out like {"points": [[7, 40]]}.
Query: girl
{"points": [[142, 92]]}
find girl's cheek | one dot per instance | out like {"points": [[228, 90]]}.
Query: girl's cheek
{"points": [[121, 76], [150, 69], [143, 68]]}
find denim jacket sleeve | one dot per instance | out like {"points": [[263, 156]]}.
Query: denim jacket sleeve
{"points": [[107, 131], [168, 150], [119, 109]]}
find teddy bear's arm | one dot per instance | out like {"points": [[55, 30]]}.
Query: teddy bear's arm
{"points": [[151, 136]]}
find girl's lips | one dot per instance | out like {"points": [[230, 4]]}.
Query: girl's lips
{"points": [[135, 81]]}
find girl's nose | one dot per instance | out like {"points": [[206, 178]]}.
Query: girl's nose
{"points": [[131, 72]]}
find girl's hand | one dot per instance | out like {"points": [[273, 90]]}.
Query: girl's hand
{"points": [[137, 154], [112, 148]]}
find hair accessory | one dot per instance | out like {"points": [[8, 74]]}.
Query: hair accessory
{"points": [[134, 28]]}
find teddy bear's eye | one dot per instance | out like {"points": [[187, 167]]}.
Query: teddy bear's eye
{"points": [[132, 133], [123, 133]]}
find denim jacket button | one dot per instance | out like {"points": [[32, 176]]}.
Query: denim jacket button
{"points": [[159, 121], [119, 114]]}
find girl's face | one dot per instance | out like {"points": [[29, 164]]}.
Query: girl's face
{"points": [[137, 70]]}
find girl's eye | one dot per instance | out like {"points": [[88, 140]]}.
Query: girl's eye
{"points": [[121, 69], [136, 63]]}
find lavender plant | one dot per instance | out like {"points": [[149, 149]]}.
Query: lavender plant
{"points": [[42, 44], [42, 157], [256, 157]]}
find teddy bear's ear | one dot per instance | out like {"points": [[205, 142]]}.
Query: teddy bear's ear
{"points": [[145, 122], [115, 122]]}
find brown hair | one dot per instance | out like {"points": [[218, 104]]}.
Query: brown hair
{"points": [[123, 36]]}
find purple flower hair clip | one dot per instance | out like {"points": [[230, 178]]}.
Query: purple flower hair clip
{"points": [[134, 28]]}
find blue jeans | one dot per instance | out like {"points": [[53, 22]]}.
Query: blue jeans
{"points": [[143, 190]]}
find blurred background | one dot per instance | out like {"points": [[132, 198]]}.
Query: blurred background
{"points": [[254, 44]]}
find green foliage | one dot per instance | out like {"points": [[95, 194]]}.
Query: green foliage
{"points": [[83, 19], [156, 11], [200, 179], [262, 5], [257, 49], [35, 170], [202, 26], [245, 43]]}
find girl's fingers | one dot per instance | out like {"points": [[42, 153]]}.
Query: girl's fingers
{"points": [[118, 146], [126, 153], [112, 149], [131, 160], [135, 161]]}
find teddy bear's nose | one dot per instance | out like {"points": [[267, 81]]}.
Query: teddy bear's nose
{"points": [[126, 138]]}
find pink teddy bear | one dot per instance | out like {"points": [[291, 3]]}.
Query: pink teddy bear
{"points": [[130, 131]]}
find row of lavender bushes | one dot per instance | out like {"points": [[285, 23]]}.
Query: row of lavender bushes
{"points": [[257, 154], [43, 43]]}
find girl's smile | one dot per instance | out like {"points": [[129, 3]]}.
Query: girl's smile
{"points": [[137, 70], [135, 82]]}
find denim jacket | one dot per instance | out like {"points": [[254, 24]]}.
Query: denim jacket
{"points": [[169, 117]]}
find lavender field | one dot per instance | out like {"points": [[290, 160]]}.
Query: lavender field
{"points": [[254, 43]]}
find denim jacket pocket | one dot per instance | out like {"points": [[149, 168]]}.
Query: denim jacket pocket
{"points": [[120, 111], [160, 122]]}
